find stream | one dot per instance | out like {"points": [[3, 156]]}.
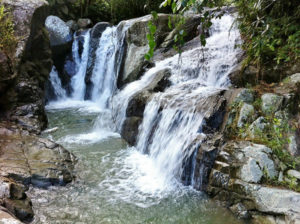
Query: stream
{"points": [[116, 183]]}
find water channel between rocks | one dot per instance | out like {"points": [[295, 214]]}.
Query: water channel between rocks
{"points": [[115, 183]]}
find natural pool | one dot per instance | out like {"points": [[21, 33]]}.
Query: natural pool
{"points": [[115, 183]]}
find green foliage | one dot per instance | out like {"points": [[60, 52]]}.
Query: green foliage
{"points": [[7, 37], [104, 10], [271, 30], [177, 22], [151, 36]]}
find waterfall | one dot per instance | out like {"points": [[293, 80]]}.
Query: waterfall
{"points": [[104, 73], [78, 80], [173, 119], [55, 81]]}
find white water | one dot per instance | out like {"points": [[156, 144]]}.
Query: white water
{"points": [[104, 73], [77, 81], [55, 81], [172, 119]]}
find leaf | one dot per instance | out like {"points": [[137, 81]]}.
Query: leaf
{"points": [[147, 57], [155, 15], [202, 40]]}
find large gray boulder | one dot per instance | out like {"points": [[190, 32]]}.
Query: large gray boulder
{"points": [[60, 33]]}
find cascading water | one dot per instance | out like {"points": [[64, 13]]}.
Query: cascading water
{"points": [[121, 184], [104, 74], [173, 119], [77, 81], [55, 81]]}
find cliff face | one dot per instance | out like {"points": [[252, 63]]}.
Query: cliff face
{"points": [[23, 76]]}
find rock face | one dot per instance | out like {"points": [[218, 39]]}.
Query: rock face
{"points": [[26, 159], [29, 160], [137, 104], [23, 85], [136, 43], [234, 180]]}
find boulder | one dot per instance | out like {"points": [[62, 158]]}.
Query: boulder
{"points": [[294, 174], [136, 43], [84, 23], [35, 161], [271, 103], [130, 129], [246, 115], [72, 25], [244, 95], [257, 161], [60, 33]]}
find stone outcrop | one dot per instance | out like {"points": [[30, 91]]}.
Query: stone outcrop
{"points": [[137, 104], [136, 43], [29, 160], [25, 158], [22, 86], [238, 172]]}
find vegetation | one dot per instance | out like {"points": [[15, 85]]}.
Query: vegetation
{"points": [[7, 37], [271, 31], [275, 135], [105, 10]]}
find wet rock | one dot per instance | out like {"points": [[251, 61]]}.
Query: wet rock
{"points": [[60, 33], [136, 46], [137, 104], [84, 23], [240, 211], [246, 115], [130, 129], [271, 103], [22, 209], [36, 161]]}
